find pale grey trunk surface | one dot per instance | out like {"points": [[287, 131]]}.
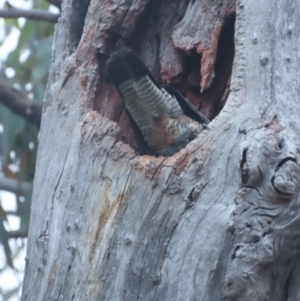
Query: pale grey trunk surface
{"points": [[217, 221]]}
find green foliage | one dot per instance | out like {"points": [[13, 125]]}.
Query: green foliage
{"points": [[26, 67]]}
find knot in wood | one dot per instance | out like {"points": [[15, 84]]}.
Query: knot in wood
{"points": [[286, 178]]}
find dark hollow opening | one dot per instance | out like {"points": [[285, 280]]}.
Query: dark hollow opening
{"points": [[110, 104]]}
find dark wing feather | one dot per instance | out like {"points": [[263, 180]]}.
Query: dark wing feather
{"points": [[139, 138], [101, 57], [187, 108], [125, 65]]}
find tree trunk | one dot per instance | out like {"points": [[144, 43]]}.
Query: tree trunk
{"points": [[216, 221]]}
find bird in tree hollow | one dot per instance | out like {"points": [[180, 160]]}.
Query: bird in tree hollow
{"points": [[163, 120]]}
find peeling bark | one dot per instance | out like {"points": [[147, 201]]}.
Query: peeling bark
{"points": [[200, 29], [217, 221]]}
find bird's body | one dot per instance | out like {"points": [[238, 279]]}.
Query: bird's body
{"points": [[164, 119]]}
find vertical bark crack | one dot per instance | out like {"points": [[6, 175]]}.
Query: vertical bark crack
{"points": [[77, 20], [244, 168]]}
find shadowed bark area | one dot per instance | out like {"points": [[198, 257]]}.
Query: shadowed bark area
{"points": [[216, 221]]}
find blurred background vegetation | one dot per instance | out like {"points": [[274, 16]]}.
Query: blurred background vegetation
{"points": [[26, 33]]}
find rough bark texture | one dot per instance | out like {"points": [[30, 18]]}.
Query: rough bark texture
{"points": [[217, 221]]}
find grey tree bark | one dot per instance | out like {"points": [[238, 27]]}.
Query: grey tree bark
{"points": [[217, 221]]}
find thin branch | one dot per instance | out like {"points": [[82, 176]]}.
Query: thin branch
{"points": [[17, 234], [14, 213], [32, 14], [56, 3], [20, 104], [15, 186]]}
